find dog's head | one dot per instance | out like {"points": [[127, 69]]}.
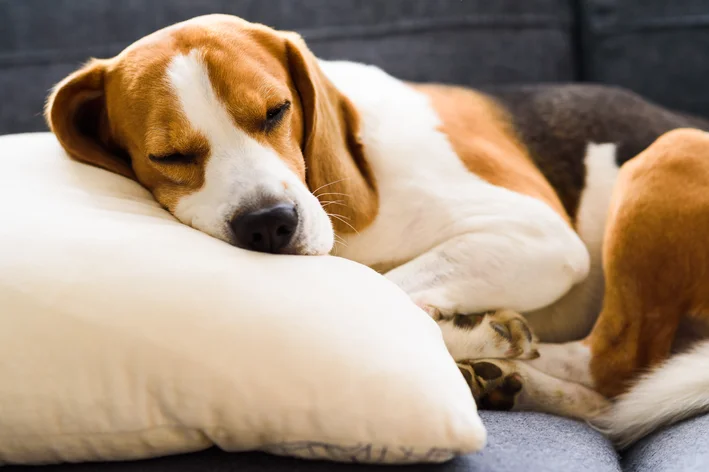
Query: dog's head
{"points": [[232, 126]]}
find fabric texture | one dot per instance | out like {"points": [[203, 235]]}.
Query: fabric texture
{"points": [[683, 447], [140, 337], [517, 442], [655, 48]]}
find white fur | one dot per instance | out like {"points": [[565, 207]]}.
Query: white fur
{"points": [[543, 392], [570, 361], [674, 391], [483, 342], [601, 175], [240, 172], [477, 343], [460, 244], [572, 317]]}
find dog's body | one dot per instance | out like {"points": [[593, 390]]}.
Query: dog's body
{"points": [[471, 202]]}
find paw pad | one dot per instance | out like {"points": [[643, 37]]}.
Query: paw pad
{"points": [[502, 397], [468, 321], [495, 384], [486, 370]]}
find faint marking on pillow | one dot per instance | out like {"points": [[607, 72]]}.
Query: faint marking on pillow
{"points": [[360, 452]]}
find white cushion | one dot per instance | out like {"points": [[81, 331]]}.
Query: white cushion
{"points": [[125, 334]]}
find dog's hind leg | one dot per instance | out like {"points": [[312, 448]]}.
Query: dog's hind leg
{"points": [[656, 264]]}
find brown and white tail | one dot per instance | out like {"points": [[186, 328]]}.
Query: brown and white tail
{"points": [[675, 390]]}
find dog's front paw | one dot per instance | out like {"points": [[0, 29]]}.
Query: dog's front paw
{"points": [[494, 384], [498, 384], [513, 333], [502, 334]]}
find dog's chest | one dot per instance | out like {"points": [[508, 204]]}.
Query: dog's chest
{"points": [[427, 195]]}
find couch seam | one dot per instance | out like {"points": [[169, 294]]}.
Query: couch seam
{"points": [[578, 40], [648, 25]]}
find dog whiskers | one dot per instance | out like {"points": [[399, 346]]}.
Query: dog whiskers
{"points": [[333, 193], [342, 219], [333, 202], [314, 192], [339, 240]]}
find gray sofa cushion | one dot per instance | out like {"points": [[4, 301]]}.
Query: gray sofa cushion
{"points": [[660, 49], [466, 42], [518, 442], [684, 447]]}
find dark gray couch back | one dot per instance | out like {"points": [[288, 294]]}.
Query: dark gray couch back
{"points": [[661, 51]]}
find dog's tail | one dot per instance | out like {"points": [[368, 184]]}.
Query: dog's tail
{"points": [[675, 390]]}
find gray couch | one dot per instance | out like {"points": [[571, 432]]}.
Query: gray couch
{"points": [[659, 48]]}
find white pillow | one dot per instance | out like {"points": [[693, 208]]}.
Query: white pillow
{"points": [[125, 334]]}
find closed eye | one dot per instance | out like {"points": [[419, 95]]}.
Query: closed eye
{"points": [[174, 158], [275, 115]]}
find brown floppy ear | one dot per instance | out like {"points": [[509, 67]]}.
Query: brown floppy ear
{"points": [[334, 155], [76, 113]]}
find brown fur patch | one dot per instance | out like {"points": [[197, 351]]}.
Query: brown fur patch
{"points": [[76, 113], [333, 150], [482, 136]]}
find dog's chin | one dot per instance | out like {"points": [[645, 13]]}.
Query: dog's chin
{"points": [[319, 245], [299, 249], [315, 235], [314, 251]]}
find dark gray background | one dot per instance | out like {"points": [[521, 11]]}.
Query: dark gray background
{"points": [[657, 48]]}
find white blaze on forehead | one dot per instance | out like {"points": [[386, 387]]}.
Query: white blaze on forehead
{"points": [[240, 171], [190, 81]]}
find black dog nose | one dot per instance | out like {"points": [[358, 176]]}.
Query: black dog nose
{"points": [[267, 229]]}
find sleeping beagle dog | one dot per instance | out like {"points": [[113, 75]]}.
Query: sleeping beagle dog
{"points": [[481, 205]]}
